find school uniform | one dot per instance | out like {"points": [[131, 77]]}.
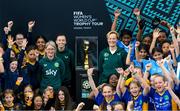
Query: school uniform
{"points": [[140, 102], [142, 64], [9, 76], [155, 68], [101, 100], [41, 55], [151, 104], [31, 75], [162, 101], [126, 48], [177, 90], [4, 41], [13, 107]]}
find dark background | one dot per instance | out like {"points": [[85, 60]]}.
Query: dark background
{"points": [[53, 17]]}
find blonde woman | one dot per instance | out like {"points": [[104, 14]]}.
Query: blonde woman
{"points": [[52, 68]]}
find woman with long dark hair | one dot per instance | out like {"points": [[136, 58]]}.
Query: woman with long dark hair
{"points": [[63, 100]]}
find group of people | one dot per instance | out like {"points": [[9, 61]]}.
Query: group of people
{"points": [[35, 73], [138, 73], [135, 73]]}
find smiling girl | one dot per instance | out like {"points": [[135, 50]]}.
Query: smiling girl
{"points": [[105, 98]]}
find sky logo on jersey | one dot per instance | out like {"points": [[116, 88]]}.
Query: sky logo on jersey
{"points": [[51, 72]]}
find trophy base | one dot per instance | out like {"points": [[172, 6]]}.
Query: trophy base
{"points": [[82, 88]]}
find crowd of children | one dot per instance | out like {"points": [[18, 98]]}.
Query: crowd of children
{"points": [[148, 75], [136, 73]]}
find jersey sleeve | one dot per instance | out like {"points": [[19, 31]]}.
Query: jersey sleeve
{"points": [[151, 92], [126, 96], [99, 98]]}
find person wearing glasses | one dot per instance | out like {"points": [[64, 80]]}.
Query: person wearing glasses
{"points": [[52, 68]]}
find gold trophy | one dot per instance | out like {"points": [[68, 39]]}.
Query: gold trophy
{"points": [[86, 61]]}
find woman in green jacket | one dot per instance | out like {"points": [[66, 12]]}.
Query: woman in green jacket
{"points": [[52, 68], [111, 57]]}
